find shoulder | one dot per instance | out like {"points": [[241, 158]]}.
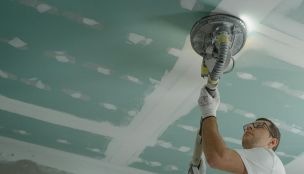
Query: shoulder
{"points": [[257, 155], [278, 166], [256, 152], [259, 160]]}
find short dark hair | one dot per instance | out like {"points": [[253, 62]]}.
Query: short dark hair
{"points": [[274, 130]]}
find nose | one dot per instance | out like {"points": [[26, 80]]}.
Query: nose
{"points": [[249, 127]]}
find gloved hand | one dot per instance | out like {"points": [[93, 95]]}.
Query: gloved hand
{"points": [[207, 103]]}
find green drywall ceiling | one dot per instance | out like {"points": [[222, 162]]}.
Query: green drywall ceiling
{"points": [[49, 135], [88, 72]]}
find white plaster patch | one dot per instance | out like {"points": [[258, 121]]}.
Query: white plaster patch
{"points": [[103, 71], [175, 52], [171, 168], [164, 144], [94, 150], [98, 68], [275, 85], [249, 115], [284, 88], [62, 141], [42, 8], [22, 132], [295, 129], [246, 76], [244, 113], [184, 149], [155, 164], [35, 82], [139, 39], [7, 75], [109, 106], [276, 122], [132, 79], [3, 74], [188, 128], [169, 145], [40, 85], [17, 43], [62, 58], [233, 140], [225, 107], [188, 4], [76, 94], [90, 22], [149, 163]]}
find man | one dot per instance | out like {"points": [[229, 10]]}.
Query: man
{"points": [[260, 139]]}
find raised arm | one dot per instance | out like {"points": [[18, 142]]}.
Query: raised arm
{"points": [[218, 155]]}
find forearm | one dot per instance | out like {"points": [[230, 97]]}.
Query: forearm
{"points": [[218, 155], [213, 144]]}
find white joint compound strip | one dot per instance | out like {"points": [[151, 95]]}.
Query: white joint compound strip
{"points": [[58, 118], [163, 106], [75, 164]]}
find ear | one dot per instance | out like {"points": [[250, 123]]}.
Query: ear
{"points": [[273, 142]]}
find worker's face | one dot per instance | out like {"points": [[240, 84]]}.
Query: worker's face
{"points": [[257, 135]]}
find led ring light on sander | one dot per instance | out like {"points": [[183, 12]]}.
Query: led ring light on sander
{"points": [[217, 38]]}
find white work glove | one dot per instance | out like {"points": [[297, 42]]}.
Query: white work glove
{"points": [[207, 103]]}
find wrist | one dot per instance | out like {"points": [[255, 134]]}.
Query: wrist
{"points": [[208, 113], [207, 117]]}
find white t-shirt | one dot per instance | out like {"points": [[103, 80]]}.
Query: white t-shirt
{"points": [[261, 161]]}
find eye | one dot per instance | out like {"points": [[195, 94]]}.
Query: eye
{"points": [[259, 126]]}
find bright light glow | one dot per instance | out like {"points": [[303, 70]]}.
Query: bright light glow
{"points": [[251, 25]]}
